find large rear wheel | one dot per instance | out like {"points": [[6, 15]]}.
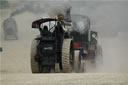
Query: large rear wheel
{"points": [[67, 56], [34, 64]]}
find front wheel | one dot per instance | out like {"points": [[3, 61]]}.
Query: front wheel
{"points": [[99, 54], [77, 62]]}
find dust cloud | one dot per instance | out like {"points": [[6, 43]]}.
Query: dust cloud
{"points": [[112, 30], [49, 8]]}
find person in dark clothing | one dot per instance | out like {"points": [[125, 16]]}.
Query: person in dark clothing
{"points": [[59, 29], [59, 33], [45, 31]]}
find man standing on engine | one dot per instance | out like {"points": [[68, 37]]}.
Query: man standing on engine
{"points": [[59, 33]]}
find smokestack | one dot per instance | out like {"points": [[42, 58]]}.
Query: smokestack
{"points": [[67, 14]]}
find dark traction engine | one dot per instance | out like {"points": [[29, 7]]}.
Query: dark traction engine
{"points": [[51, 51]]}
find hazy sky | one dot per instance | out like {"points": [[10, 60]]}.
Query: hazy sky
{"points": [[108, 17]]}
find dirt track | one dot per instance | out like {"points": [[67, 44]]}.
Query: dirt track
{"points": [[65, 79]]}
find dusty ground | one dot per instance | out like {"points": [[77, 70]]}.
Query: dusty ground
{"points": [[65, 79]]}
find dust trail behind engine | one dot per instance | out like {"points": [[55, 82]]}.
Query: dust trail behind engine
{"points": [[16, 53]]}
